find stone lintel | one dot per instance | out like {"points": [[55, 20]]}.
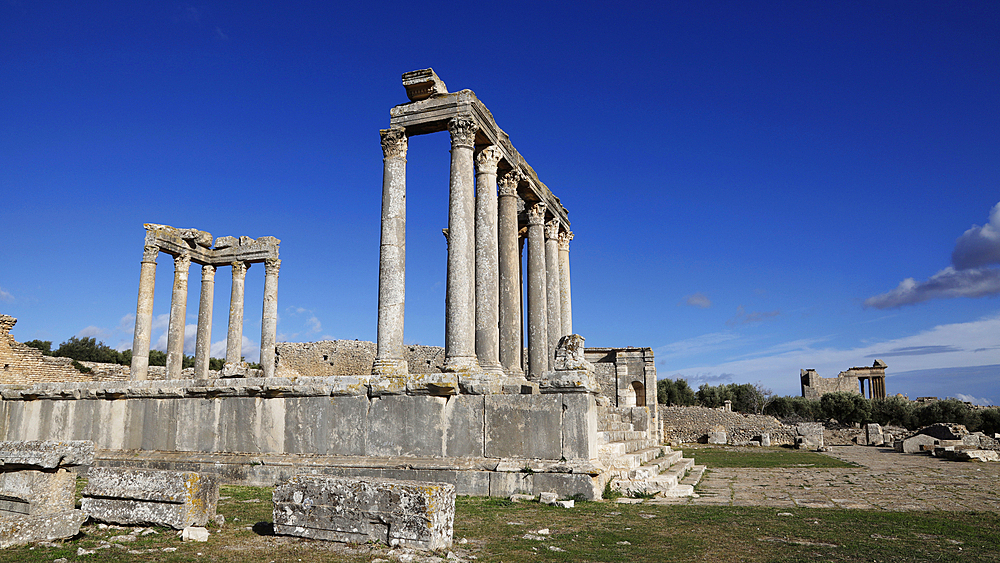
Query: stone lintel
{"points": [[232, 249], [433, 114]]}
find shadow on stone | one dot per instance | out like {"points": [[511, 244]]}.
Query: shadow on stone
{"points": [[263, 528]]}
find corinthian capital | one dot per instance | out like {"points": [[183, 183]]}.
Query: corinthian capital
{"points": [[463, 131], [487, 159], [239, 268], [393, 142], [271, 266], [552, 230], [564, 238], [150, 252], [509, 182], [182, 262], [536, 214]]}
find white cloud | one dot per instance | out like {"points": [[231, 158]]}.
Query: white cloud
{"points": [[95, 332], [948, 283], [6, 296], [314, 324], [945, 346], [698, 299], [968, 275], [975, 401], [711, 342], [742, 317], [250, 350], [979, 246], [161, 322], [127, 323]]}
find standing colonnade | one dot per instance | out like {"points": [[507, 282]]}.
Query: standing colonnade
{"points": [[191, 245], [493, 193]]}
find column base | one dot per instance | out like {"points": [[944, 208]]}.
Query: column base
{"points": [[390, 367], [462, 365]]}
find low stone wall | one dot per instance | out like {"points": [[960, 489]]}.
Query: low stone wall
{"points": [[692, 424], [261, 431], [328, 358]]}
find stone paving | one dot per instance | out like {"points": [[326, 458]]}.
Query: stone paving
{"points": [[886, 480]]}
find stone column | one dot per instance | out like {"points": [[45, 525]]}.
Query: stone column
{"points": [[487, 262], [203, 344], [460, 298], [269, 319], [538, 340], [178, 311], [552, 295], [144, 314], [234, 343], [566, 301], [389, 359], [510, 276]]}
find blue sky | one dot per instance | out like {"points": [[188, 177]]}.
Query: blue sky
{"points": [[754, 188]]}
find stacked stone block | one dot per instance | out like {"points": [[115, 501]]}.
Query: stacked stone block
{"points": [[177, 499], [388, 511], [37, 489]]}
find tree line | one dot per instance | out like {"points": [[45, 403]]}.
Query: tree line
{"points": [[88, 349], [846, 408]]}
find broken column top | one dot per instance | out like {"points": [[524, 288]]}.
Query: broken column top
{"points": [[422, 84], [46, 454]]}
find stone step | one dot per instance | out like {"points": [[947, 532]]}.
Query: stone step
{"points": [[670, 483], [608, 436], [610, 425], [655, 466], [694, 475], [614, 457]]}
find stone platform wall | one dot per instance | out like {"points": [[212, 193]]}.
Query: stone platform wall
{"points": [[263, 430], [692, 424]]}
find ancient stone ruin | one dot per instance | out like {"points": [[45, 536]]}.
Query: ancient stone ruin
{"points": [[481, 414], [192, 245], [37, 488], [850, 381], [177, 499], [360, 510]]}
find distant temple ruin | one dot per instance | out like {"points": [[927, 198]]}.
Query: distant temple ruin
{"points": [[850, 381]]}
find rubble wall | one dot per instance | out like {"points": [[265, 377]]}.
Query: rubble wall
{"points": [[692, 424], [328, 358]]}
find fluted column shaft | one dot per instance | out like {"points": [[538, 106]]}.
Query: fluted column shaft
{"points": [[552, 296], [538, 339], [178, 312], [269, 318], [487, 261], [566, 301], [510, 276], [203, 342], [392, 256], [460, 299], [144, 314], [234, 342]]}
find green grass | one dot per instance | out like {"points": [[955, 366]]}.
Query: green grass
{"points": [[728, 456], [495, 530]]}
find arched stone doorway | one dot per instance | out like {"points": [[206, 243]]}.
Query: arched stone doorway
{"points": [[640, 393]]}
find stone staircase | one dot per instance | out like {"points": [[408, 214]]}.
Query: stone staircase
{"points": [[636, 463]]}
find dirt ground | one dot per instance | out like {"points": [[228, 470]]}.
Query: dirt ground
{"points": [[887, 480]]}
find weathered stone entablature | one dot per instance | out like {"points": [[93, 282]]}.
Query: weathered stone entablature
{"points": [[494, 197], [191, 245]]}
